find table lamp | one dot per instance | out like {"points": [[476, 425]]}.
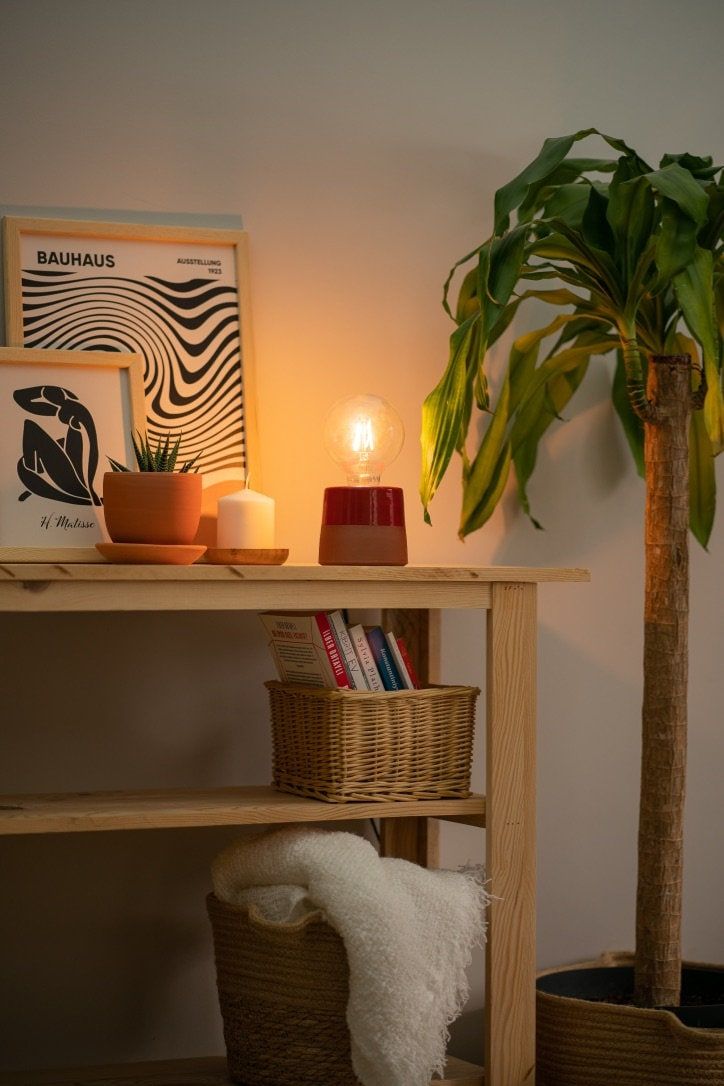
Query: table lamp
{"points": [[363, 523]]}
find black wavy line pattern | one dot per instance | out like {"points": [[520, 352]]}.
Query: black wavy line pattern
{"points": [[187, 333]]}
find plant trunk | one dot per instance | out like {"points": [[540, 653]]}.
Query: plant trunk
{"points": [[666, 617]]}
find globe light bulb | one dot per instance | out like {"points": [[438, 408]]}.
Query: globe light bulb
{"points": [[363, 434]]}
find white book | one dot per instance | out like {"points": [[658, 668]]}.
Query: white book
{"points": [[300, 650], [401, 665], [354, 668], [361, 646]]}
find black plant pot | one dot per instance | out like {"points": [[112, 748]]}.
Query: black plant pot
{"points": [[589, 1036]]}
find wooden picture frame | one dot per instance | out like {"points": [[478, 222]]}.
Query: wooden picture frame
{"points": [[178, 296], [63, 413]]}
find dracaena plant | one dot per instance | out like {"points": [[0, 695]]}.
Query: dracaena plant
{"points": [[161, 457], [634, 255], [631, 258]]}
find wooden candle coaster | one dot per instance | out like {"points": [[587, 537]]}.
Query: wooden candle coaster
{"points": [[233, 556]]}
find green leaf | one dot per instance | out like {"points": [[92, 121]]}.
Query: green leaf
{"points": [[551, 155], [630, 213], [444, 413], [451, 275], [549, 158], [173, 455], [190, 464], [633, 427], [568, 203], [164, 454], [701, 168], [595, 225], [468, 301], [116, 465], [562, 362], [552, 399], [489, 499], [702, 476], [676, 242], [677, 185], [488, 472], [702, 480], [694, 287], [499, 276]]}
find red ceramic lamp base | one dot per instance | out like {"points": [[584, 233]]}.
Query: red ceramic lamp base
{"points": [[363, 526]]}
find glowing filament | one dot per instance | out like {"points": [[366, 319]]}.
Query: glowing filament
{"points": [[363, 437]]}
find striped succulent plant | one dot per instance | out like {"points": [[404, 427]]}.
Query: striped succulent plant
{"points": [[161, 457]]}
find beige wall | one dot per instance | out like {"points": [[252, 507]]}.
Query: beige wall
{"points": [[361, 143]]}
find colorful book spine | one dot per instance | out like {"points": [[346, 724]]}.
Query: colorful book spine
{"points": [[386, 665], [411, 669], [341, 634], [365, 657], [334, 654], [399, 661]]}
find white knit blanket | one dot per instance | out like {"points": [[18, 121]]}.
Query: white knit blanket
{"points": [[408, 933]]}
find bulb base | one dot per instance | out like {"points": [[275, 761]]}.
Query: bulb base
{"points": [[363, 526]]}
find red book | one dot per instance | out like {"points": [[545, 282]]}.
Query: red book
{"points": [[405, 654], [334, 655], [302, 650]]}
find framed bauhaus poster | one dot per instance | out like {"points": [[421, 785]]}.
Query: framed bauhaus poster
{"points": [[176, 296], [64, 413]]}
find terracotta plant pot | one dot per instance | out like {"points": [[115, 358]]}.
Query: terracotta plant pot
{"points": [[152, 507], [584, 1041]]}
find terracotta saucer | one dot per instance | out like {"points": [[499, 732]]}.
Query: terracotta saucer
{"points": [[151, 553], [222, 556]]}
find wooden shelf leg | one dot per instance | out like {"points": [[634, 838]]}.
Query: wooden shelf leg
{"points": [[510, 836], [415, 839]]}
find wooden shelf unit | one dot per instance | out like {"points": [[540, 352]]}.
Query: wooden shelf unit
{"points": [[82, 812], [507, 594], [200, 1072]]}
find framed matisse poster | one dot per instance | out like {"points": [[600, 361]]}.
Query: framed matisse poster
{"points": [[176, 296], [63, 414]]}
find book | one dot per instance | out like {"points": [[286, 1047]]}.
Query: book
{"points": [[304, 648], [391, 679], [411, 669], [341, 634], [364, 655], [399, 661]]}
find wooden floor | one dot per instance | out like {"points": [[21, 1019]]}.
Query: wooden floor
{"points": [[202, 1072]]}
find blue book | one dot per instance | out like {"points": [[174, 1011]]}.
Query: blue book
{"points": [[391, 678]]}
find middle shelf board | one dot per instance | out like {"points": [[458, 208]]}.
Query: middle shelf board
{"points": [[81, 812]]}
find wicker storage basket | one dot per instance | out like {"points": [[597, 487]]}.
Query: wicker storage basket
{"points": [[584, 1043], [341, 745], [283, 991]]}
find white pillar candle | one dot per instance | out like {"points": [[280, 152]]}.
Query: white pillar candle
{"points": [[245, 521]]}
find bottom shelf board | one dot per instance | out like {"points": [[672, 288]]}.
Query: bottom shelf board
{"points": [[201, 1072]]}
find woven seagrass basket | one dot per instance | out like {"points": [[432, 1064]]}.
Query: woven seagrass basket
{"points": [[283, 990], [585, 1043], [342, 745]]}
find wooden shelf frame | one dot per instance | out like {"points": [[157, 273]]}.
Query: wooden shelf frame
{"points": [[507, 594], [198, 1072], [178, 808], [42, 587]]}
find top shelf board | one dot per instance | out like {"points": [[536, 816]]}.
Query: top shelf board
{"points": [[67, 586]]}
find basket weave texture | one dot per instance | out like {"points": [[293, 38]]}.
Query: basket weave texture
{"points": [[342, 745], [283, 990], [582, 1043]]}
